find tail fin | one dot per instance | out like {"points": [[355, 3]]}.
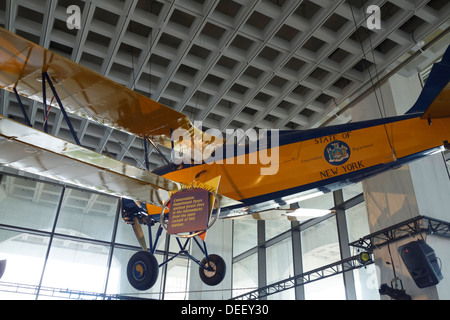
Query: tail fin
{"points": [[434, 100]]}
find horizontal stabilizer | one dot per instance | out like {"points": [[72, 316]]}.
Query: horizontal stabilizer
{"points": [[300, 214], [434, 100]]}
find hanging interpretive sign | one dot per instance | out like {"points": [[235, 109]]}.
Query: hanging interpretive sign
{"points": [[188, 211]]}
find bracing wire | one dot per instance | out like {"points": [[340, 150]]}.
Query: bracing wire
{"points": [[98, 121], [155, 293], [381, 106], [140, 163], [392, 261]]}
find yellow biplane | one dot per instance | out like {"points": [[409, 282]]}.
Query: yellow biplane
{"points": [[209, 175]]}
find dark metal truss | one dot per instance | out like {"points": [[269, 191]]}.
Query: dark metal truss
{"points": [[408, 228], [304, 278], [35, 290], [414, 226]]}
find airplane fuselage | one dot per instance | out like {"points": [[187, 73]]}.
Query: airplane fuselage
{"points": [[319, 160]]}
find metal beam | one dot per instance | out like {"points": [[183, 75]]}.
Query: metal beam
{"points": [[262, 254], [279, 64], [11, 10], [88, 13], [47, 24], [33, 290], [332, 269], [243, 17], [405, 229], [184, 48], [144, 58], [125, 147], [297, 257], [121, 28], [342, 231]]}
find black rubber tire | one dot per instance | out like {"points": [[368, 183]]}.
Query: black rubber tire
{"points": [[213, 278], [142, 270]]}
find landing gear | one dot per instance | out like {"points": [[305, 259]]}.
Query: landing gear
{"points": [[214, 271], [142, 270]]}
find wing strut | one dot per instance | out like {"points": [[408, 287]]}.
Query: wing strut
{"points": [[147, 163], [44, 77], [27, 120], [159, 151]]}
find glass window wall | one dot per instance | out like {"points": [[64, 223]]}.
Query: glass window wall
{"points": [[117, 279], [279, 261], [244, 235], [77, 265], [25, 256], [280, 266], [86, 253], [352, 191], [28, 203], [366, 283], [87, 215], [59, 241], [320, 246], [357, 223], [177, 284], [274, 228], [331, 288], [245, 275]]}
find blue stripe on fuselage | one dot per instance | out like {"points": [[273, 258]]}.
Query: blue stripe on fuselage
{"points": [[292, 136], [280, 198]]}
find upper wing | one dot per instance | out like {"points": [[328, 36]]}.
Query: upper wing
{"points": [[89, 94]]}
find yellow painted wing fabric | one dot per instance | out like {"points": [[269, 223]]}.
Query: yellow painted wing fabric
{"points": [[85, 92]]}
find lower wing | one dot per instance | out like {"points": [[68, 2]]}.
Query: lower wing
{"points": [[33, 151]]}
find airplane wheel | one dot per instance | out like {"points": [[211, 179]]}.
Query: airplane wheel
{"points": [[213, 278], [142, 270]]}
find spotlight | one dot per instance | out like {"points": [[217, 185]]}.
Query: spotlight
{"points": [[395, 294], [364, 257], [446, 145]]}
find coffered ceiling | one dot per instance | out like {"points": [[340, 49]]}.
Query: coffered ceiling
{"points": [[230, 64]]}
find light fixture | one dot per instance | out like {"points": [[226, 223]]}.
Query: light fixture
{"points": [[364, 257], [395, 291]]}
